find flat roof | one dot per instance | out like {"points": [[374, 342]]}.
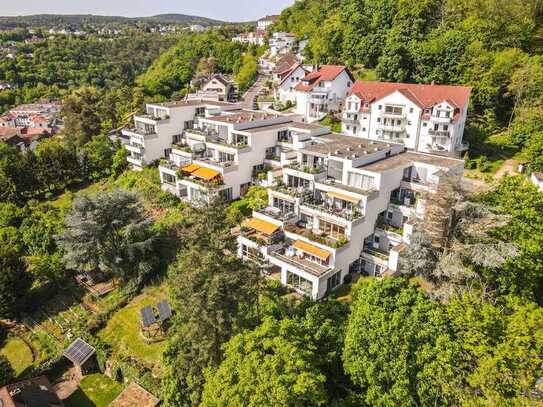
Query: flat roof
{"points": [[244, 116], [196, 102], [341, 146], [135, 395], [409, 158]]}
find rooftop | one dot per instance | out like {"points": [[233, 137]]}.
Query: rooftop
{"points": [[409, 158], [196, 102], [36, 392], [135, 395], [245, 116], [324, 73], [424, 96], [342, 146]]}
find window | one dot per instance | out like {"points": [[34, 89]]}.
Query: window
{"points": [[411, 110], [284, 135], [331, 229], [225, 157], [348, 127], [226, 194], [354, 129], [445, 127], [349, 106], [296, 182], [299, 283], [361, 181], [424, 124], [284, 206], [379, 107], [363, 129], [378, 120], [333, 281], [389, 215], [168, 178], [393, 109], [376, 239]]}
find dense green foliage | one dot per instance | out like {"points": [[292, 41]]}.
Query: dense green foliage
{"points": [[56, 66], [490, 45]]}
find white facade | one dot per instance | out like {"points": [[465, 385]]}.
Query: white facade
{"points": [[403, 115], [537, 180], [257, 38], [322, 91], [265, 22], [281, 43], [286, 87], [343, 206]]}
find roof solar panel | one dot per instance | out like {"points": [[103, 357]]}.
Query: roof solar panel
{"points": [[164, 310], [147, 316], [79, 351]]}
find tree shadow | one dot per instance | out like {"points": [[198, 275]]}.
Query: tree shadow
{"points": [[78, 399]]}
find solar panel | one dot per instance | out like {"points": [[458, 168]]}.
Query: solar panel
{"points": [[79, 351], [147, 316], [164, 310]]}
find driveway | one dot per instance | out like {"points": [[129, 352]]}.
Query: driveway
{"points": [[249, 98]]}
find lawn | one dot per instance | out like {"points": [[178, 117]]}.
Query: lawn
{"points": [[18, 354], [122, 331], [95, 390]]}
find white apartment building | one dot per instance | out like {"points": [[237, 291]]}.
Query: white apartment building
{"points": [[219, 154], [281, 43], [152, 134], [265, 22], [322, 91], [345, 205], [425, 118], [289, 80], [257, 38]]}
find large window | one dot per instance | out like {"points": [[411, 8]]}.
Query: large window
{"points": [[296, 182], [361, 181], [333, 281], [331, 229], [226, 194], [168, 178], [393, 110], [225, 157], [299, 283], [284, 206]]}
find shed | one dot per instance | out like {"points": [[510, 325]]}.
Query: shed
{"points": [[82, 355]]}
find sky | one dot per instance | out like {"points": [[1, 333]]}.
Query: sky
{"points": [[226, 10]]}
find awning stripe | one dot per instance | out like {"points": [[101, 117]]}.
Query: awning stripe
{"points": [[311, 249], [206, 173], [190, 168], [343, 197], [262, 226]]}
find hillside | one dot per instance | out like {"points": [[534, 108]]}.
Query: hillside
{"points": [[80, 20]]}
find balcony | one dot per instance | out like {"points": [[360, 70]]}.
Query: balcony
{"points": [[308, 169], [151, 117], [300, 230], [350, 215], [347, 118], [440, 133], [440, 119], [302, 264], [221, 166], [318, 100], [260, 238], [377, 253], [135, 161], [140, 132], [277, 214], [392, 115], [391, 135], [136, 148], [291, 191]]}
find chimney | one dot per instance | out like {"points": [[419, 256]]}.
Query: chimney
{"points": [[433, 83]]}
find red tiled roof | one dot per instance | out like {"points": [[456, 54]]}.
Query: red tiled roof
{"points": [[285, 64], [289, 72], [324, 73], [424, 96]]}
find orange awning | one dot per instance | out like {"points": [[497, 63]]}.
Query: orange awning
{"points": [[206, 174], [311, 249], [190, 168], [343, 197], [262, 226]]}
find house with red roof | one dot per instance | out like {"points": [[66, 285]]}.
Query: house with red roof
{"points": [[322, 91], [287, 82], [426, 118]]}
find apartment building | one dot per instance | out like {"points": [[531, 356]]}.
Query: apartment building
{"points": [[219, 155], [281, 43], [322, 91], [152, 134], [257, 38], [344, 205], [265, 22], [425, 118]]}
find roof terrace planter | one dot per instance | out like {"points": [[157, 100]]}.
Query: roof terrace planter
{"points": [[322, 239], [168, 164], [282, 188], [346, 214], [307, 169]]}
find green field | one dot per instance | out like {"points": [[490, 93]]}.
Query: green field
{"points": [[95, 390], [122, 331], [18, 354]]}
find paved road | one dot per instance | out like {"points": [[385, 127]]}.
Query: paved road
{"points": [[249, 98]]}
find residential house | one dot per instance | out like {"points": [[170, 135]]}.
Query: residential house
{"points": [[152, 134], [343, 206], [537, 180], [281, 43], [425, 118], [221, 155], [257, 38], [322, 91], [265, 22]]}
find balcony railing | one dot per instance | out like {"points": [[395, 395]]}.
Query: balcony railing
{"points": [[304, 265], [292, 191], [439, 133], [334, 242], [376, 252], [140, 131], [318, 169], [347, 214], [440, 119]]}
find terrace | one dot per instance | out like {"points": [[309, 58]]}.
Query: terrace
{"points": [[305, 265], [300, 229], [327, 207]]}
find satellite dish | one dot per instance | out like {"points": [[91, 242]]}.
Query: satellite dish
{"points": [[199, 147]]}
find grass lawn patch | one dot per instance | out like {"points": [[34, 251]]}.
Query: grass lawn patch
{"points": [[18, 354], [95, 390], [122, 331], [333, 123]]}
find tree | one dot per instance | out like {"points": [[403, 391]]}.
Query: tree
{"points": [[7, 374], [214, 295], [81, 113], [56, 164], [274, 365], [118, 162], [247, 73], [97, 157], [501, 345], [110, 233], [399, 347], [17, 181], [14, 282]]}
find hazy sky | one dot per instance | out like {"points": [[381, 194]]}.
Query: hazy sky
{"points": [[230, 10]]}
